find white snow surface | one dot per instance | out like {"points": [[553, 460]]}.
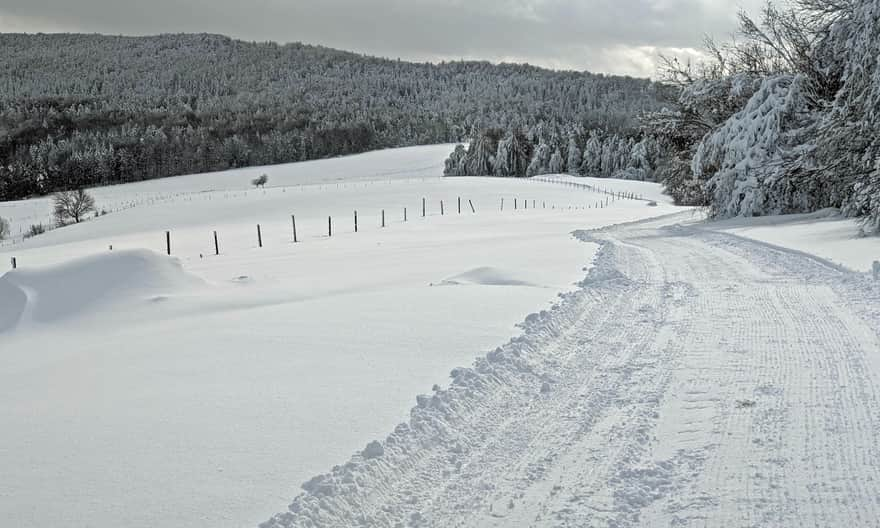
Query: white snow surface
{"points": [[653, 369], [826, 234], [693, 379], [143, 390]]}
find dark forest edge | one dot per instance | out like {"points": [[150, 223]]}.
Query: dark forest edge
{"points": [[88, 110]]}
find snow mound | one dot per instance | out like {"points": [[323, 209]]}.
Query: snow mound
{"points": [[85, 285], [487, 276]]}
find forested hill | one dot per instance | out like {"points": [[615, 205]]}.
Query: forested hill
{"points": [[80, 110]]}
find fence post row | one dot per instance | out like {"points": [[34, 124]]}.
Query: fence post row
{"points": [[329, 225]]}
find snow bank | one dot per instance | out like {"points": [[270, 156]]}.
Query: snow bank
{"points": [[825, 234], [87, 284], [441, 424]]}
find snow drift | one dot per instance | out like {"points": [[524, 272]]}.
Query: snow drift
{"points": [[487, 276], [87, 285]]}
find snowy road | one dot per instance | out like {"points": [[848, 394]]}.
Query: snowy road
{"points": [[695, 379]]}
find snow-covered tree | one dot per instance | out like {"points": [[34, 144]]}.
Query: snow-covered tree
{"points": [[575, 156], [591, 164], [513, 155], [849, 135], [748, 161], [455, 164], [540, 163], [557, 165]]}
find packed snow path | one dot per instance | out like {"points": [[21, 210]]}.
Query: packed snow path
{"points": [[695, 379]]}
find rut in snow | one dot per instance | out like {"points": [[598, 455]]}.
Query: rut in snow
{"points": [[692, 378]]}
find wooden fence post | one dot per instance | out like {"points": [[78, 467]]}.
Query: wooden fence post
{"points": [[168, 242], [383, 217], [216, 244], [514, 204], [459, 205], [502, 204], [329, 226], [423, 208], [14, 263], [472, 207], [259, 236], [441, 208], [404, 214], [293, 220], [355, 221]]}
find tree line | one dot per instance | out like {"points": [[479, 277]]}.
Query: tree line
{"points": [[783, 119], [85, 110]]}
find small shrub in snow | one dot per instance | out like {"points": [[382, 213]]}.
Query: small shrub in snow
{"points": [[4, 228], [261, 181], [34, 230]]}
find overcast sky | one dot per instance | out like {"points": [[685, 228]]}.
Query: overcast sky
{"points": [[611, 36]]}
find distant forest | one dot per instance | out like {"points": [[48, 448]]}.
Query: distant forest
{"points": [[85, 110]]}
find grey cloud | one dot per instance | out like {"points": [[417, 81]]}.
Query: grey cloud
{"points": [[615, 36]]}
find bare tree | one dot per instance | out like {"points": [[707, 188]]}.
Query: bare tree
{"points": [[72, 205]]}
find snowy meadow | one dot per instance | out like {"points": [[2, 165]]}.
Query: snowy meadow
{"points": [[201, 389]]}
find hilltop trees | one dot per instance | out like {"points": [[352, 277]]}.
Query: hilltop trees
{"points": [[177, 104]]}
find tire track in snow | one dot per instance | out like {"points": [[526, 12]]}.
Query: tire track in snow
{"points": [[693, 379]]}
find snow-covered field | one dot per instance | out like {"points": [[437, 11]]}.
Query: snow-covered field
{"points": [[614, 363], [825, 234], [203, 390]]}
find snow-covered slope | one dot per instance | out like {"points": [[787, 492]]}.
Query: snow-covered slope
{"points": [[825, 234], [204, 390], [670, 372], [694, 378]]}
